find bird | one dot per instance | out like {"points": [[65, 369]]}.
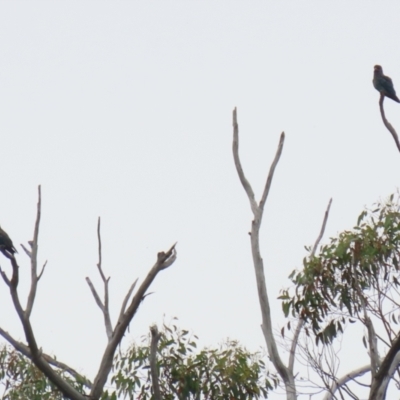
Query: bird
{"points": [[6, 243], [383, 84]]}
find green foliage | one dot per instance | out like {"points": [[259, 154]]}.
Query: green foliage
{"points": [[334, 285], [21, 380], [227, 372]]}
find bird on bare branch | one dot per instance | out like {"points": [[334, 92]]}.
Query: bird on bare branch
{"points": [[383, 84], [6, 243]]}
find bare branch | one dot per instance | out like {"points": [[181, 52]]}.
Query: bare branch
{"points": [[239, 169], [104, 306], [28, 252], [301, 322], [372, 341], [155, 337], [164, 260], [42, 361], [125, 302], [378, 381], [321, 233], [387, 124], [23, 349], [95, 295], [295, 340], [284, 372], [33, 257], [42, 271], [351, 376], [36, 353], [5, 278], [271, 174]]}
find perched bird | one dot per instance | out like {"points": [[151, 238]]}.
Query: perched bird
{"points": [[6, 243], [383, 84]]}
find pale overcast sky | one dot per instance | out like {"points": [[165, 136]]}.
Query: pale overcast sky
{"points": [[124, 110]]}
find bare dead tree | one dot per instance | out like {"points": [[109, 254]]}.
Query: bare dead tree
{"points": [[45, 362], [387, 124], [257, 208], [285, 372]]}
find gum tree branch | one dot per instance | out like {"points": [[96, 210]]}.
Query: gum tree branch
{"points": [[33, 257], [301, 321], [103, 306], [372, 340], [285, 373], [24, 349], [155, 337], [42, 361], [125, 302], [357, 373], [389, 127], [36, 354], [245, 183], [380, 381], [164, 260]]}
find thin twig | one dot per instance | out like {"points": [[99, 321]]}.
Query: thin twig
{"points": [[104, 306], [100, 257], [33, 257], [42, 271], [5, 278], [271, 173], [29, 253], [95, 295], [301, 321], [321, 233], [372, 341], [125, 302], [106, 310], [245, 183]]}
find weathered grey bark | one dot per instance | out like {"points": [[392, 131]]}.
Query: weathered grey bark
{"points": [[42, 361], [103, 306], [360, 372], [257, 208], [36, 354], [346, 379], [155, 337], [164, 260], [389, 127], [25, 350], [381, 380]]}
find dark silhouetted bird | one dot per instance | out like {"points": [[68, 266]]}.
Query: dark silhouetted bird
{"points": [[383, 84], [6, 243]]}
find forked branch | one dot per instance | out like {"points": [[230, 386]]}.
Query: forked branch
{"points": [[104, 306], [42, 361], [285, 373], [164, 260], [35, 354]]}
